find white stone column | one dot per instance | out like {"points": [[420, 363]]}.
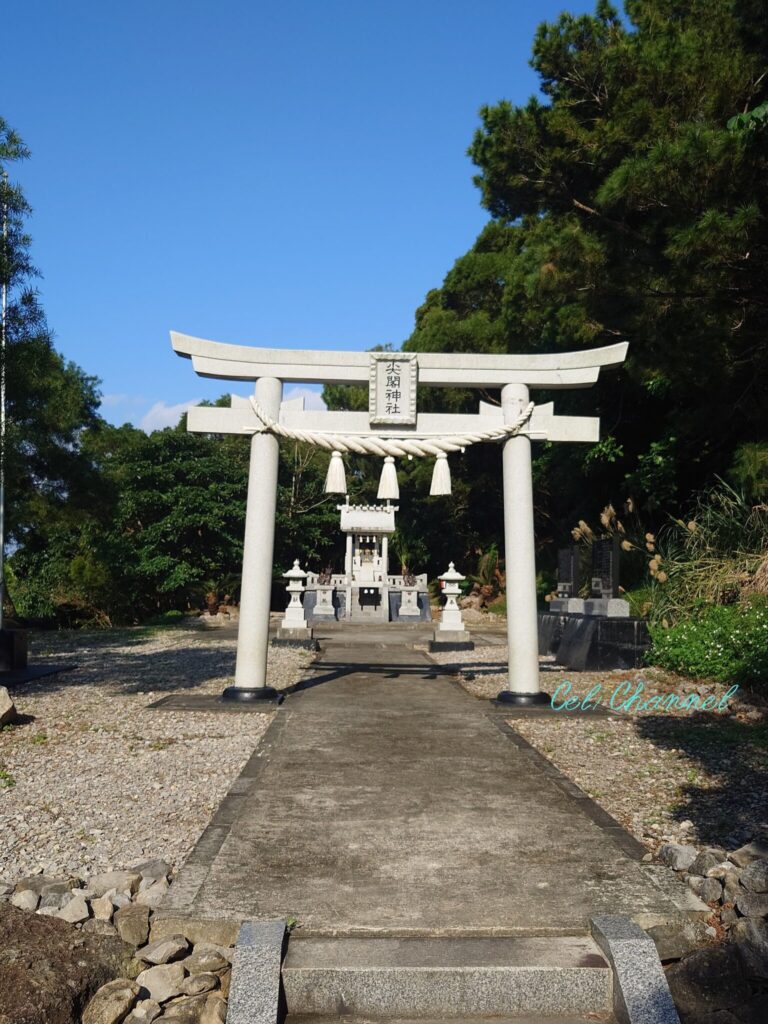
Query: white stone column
{"points": [[385, 555], [348, 558], [258, 550], [520, 557]]}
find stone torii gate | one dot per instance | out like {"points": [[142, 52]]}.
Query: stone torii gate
{"points": [[398, 429]]}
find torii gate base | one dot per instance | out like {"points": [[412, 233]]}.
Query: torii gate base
{"points": [[270, 368]]}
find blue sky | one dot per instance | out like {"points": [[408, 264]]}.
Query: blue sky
{"points": [[286, 175]]}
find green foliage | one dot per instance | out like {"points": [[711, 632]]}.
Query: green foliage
{"points": [[749, 471], [167, 528], [624, 208], [725, 643], [50, 401], [750, 120], [488, 580]]}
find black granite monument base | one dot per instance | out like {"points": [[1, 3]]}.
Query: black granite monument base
{"points": [[588, 643]]}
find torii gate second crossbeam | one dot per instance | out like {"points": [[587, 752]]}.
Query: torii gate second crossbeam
{"points": [[513, 374]]}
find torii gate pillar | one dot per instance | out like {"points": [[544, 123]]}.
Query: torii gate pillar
{"points": [[258, 552], [520, 558]]}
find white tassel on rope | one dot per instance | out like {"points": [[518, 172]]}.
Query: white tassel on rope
{"points": [[336, 479], [441, 476], [388, 486]]}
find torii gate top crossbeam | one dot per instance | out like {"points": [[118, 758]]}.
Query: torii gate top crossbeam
{"points": [[438, 369]]}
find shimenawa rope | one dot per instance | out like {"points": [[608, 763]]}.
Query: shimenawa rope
{"points": [[376, 444]]}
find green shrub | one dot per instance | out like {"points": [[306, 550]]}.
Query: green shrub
{"points": [[728, 643], [173, 617]]}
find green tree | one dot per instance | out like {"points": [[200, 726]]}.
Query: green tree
{"points": [[50, 401], [623, 207]]}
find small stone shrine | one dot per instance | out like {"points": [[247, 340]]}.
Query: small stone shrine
{"points": [[366, 591]]}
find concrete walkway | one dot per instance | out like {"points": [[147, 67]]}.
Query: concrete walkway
{"points": [[386, 801]]}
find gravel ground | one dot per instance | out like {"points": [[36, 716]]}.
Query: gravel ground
{"points": [[98, 780], [684, 776]]}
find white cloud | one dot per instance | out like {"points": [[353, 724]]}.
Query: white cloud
{"points": [[312, 399], [110, 401], [162, 415]]}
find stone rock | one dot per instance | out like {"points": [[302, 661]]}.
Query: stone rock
{"points": [[731, 886], [55, 899], [227, 952], [707, 980], [144, 1012], [752, 904], [120, 881], [751, 937], [45, 884], [215, 1011], [8, 712], [132, 923], [705, 860], [677, 856], [225, 979], [152, 896], [153, 870], [102, 908], [728, 917], [25, 900], [755, 876], [675, 939], [720, 870], [188, 1010], [196, 984], [112, 1002], [6, 888], [756, 850], [120, 899], [165, 950], [205, 961], [48, 970], [694, 883], [162, 982], [99, 927], [75, 911], [711, 890], [48, 911]]}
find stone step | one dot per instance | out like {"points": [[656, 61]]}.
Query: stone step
{"points": [[593, 1018], [446, 978]]}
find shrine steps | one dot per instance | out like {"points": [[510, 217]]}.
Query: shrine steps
{"points": [[445, 979]]}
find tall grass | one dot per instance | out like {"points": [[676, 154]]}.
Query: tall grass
{"points": [[713, 558]]}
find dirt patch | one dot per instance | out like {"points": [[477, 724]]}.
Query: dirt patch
{"points": [[48, 970]]}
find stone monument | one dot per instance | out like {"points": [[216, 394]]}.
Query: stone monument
{"points": [[604, 596], [568, 582]]}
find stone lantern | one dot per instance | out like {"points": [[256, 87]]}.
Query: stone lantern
{"points": [[450, 634], [294, 627]]}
